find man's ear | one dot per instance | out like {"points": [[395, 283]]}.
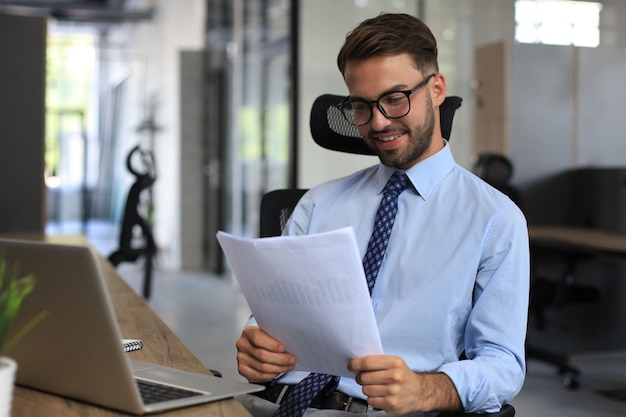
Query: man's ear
{"points": [[438, 89]]}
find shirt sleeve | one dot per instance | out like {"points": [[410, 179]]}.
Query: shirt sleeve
{"points": [[298, 223], [496, 329]]}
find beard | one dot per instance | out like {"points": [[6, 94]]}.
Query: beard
{"points": [[420, 138]]}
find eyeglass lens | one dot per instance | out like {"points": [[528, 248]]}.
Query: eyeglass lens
{"points": [[393, 105]]}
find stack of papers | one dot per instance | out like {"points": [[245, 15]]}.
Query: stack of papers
{"points": [[310, 293]]}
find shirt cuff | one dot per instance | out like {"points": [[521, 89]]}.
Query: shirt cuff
{"points": [[472, 386]]}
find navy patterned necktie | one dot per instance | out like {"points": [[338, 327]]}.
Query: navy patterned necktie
{"points": [[383, 223], [299, 399]]}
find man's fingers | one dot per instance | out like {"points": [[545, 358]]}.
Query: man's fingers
{"points": [[259, 339], [261, 357], [254, 370]]}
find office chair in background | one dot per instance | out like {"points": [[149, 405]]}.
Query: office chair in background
{"points": [[497, 170], [136, 238], [545, 292], [331, 131]]}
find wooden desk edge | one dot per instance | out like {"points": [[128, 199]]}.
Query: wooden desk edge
{"points": [[590, 239]]}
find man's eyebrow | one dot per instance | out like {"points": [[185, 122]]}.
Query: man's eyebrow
{"points": [[397, 87]]}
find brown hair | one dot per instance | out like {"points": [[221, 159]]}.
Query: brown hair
{"points": [[391, 34]]}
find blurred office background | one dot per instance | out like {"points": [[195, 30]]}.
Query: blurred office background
{"points": [[220, 92]]}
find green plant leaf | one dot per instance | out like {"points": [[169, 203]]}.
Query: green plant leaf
{"points": [[10, 344], [13, 290]]}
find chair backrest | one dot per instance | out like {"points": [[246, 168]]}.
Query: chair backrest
{"points": [[276, 207], [144, 179], [331, 131], [493, 167], [497, 170]]}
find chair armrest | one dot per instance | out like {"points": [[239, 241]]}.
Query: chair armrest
{"points": [[506, 411]]}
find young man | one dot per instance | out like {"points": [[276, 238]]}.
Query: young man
{"points": [[451, 294]]}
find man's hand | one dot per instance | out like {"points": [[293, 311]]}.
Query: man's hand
{"points": [[260, 357], [391, 385]]}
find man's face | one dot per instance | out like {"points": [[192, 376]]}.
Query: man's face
{"points": [[401, 142]]}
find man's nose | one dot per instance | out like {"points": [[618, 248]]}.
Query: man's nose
{"points": [[379, 120]]}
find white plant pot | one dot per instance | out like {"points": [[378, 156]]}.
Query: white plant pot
{"points": [[8, 367]]}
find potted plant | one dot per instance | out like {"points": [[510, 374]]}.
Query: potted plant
{"points": [[13, 290]]}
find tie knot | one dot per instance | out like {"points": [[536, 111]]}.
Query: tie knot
{"points": [[397, 183]]}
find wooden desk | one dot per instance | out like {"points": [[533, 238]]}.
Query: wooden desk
{"points": [[573, 245], [580, 239], [161, 345]]}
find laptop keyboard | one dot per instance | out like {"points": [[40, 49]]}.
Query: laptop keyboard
{"points": [[153, 392]]}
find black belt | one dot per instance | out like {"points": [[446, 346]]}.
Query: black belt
{"points": [[334, 400]]}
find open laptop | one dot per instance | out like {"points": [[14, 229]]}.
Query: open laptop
{"points": [[76, 350]]}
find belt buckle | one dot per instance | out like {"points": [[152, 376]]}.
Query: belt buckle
{"points": [[347, 403], [355, 406], [282, 394]]}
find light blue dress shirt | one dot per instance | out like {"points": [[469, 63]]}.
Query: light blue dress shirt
{"points": [[455, 276]]}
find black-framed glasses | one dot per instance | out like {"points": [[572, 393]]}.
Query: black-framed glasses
{"points": [[393, 105]]}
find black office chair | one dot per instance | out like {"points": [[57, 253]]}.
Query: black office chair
{"points": [[136, 239], [276, 207], [507, 410], [497, 170], [331, 131], [545, 292]]}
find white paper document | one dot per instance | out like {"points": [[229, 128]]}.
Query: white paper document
{"points": [[310, 293]]}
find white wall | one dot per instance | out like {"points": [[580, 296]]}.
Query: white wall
{"points": [[602, 87], [178, 25]]}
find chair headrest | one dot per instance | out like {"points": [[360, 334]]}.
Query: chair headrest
{"points": [[493, 168], [331, 131]]}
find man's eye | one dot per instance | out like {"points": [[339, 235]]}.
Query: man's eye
{"points": [[395, 99], [359, 106]]}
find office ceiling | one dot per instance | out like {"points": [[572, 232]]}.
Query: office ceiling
{"points": [[89, 11]]}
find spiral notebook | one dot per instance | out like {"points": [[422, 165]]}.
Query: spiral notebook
{"points": [[131, 345], [82, 335]]}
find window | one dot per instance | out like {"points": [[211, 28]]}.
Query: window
{"points": [[558, 22]]}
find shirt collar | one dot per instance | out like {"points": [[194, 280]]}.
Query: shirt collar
{"points": [[425, 175]]}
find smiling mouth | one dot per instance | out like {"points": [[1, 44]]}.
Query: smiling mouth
{"points": [[388, 138]]}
